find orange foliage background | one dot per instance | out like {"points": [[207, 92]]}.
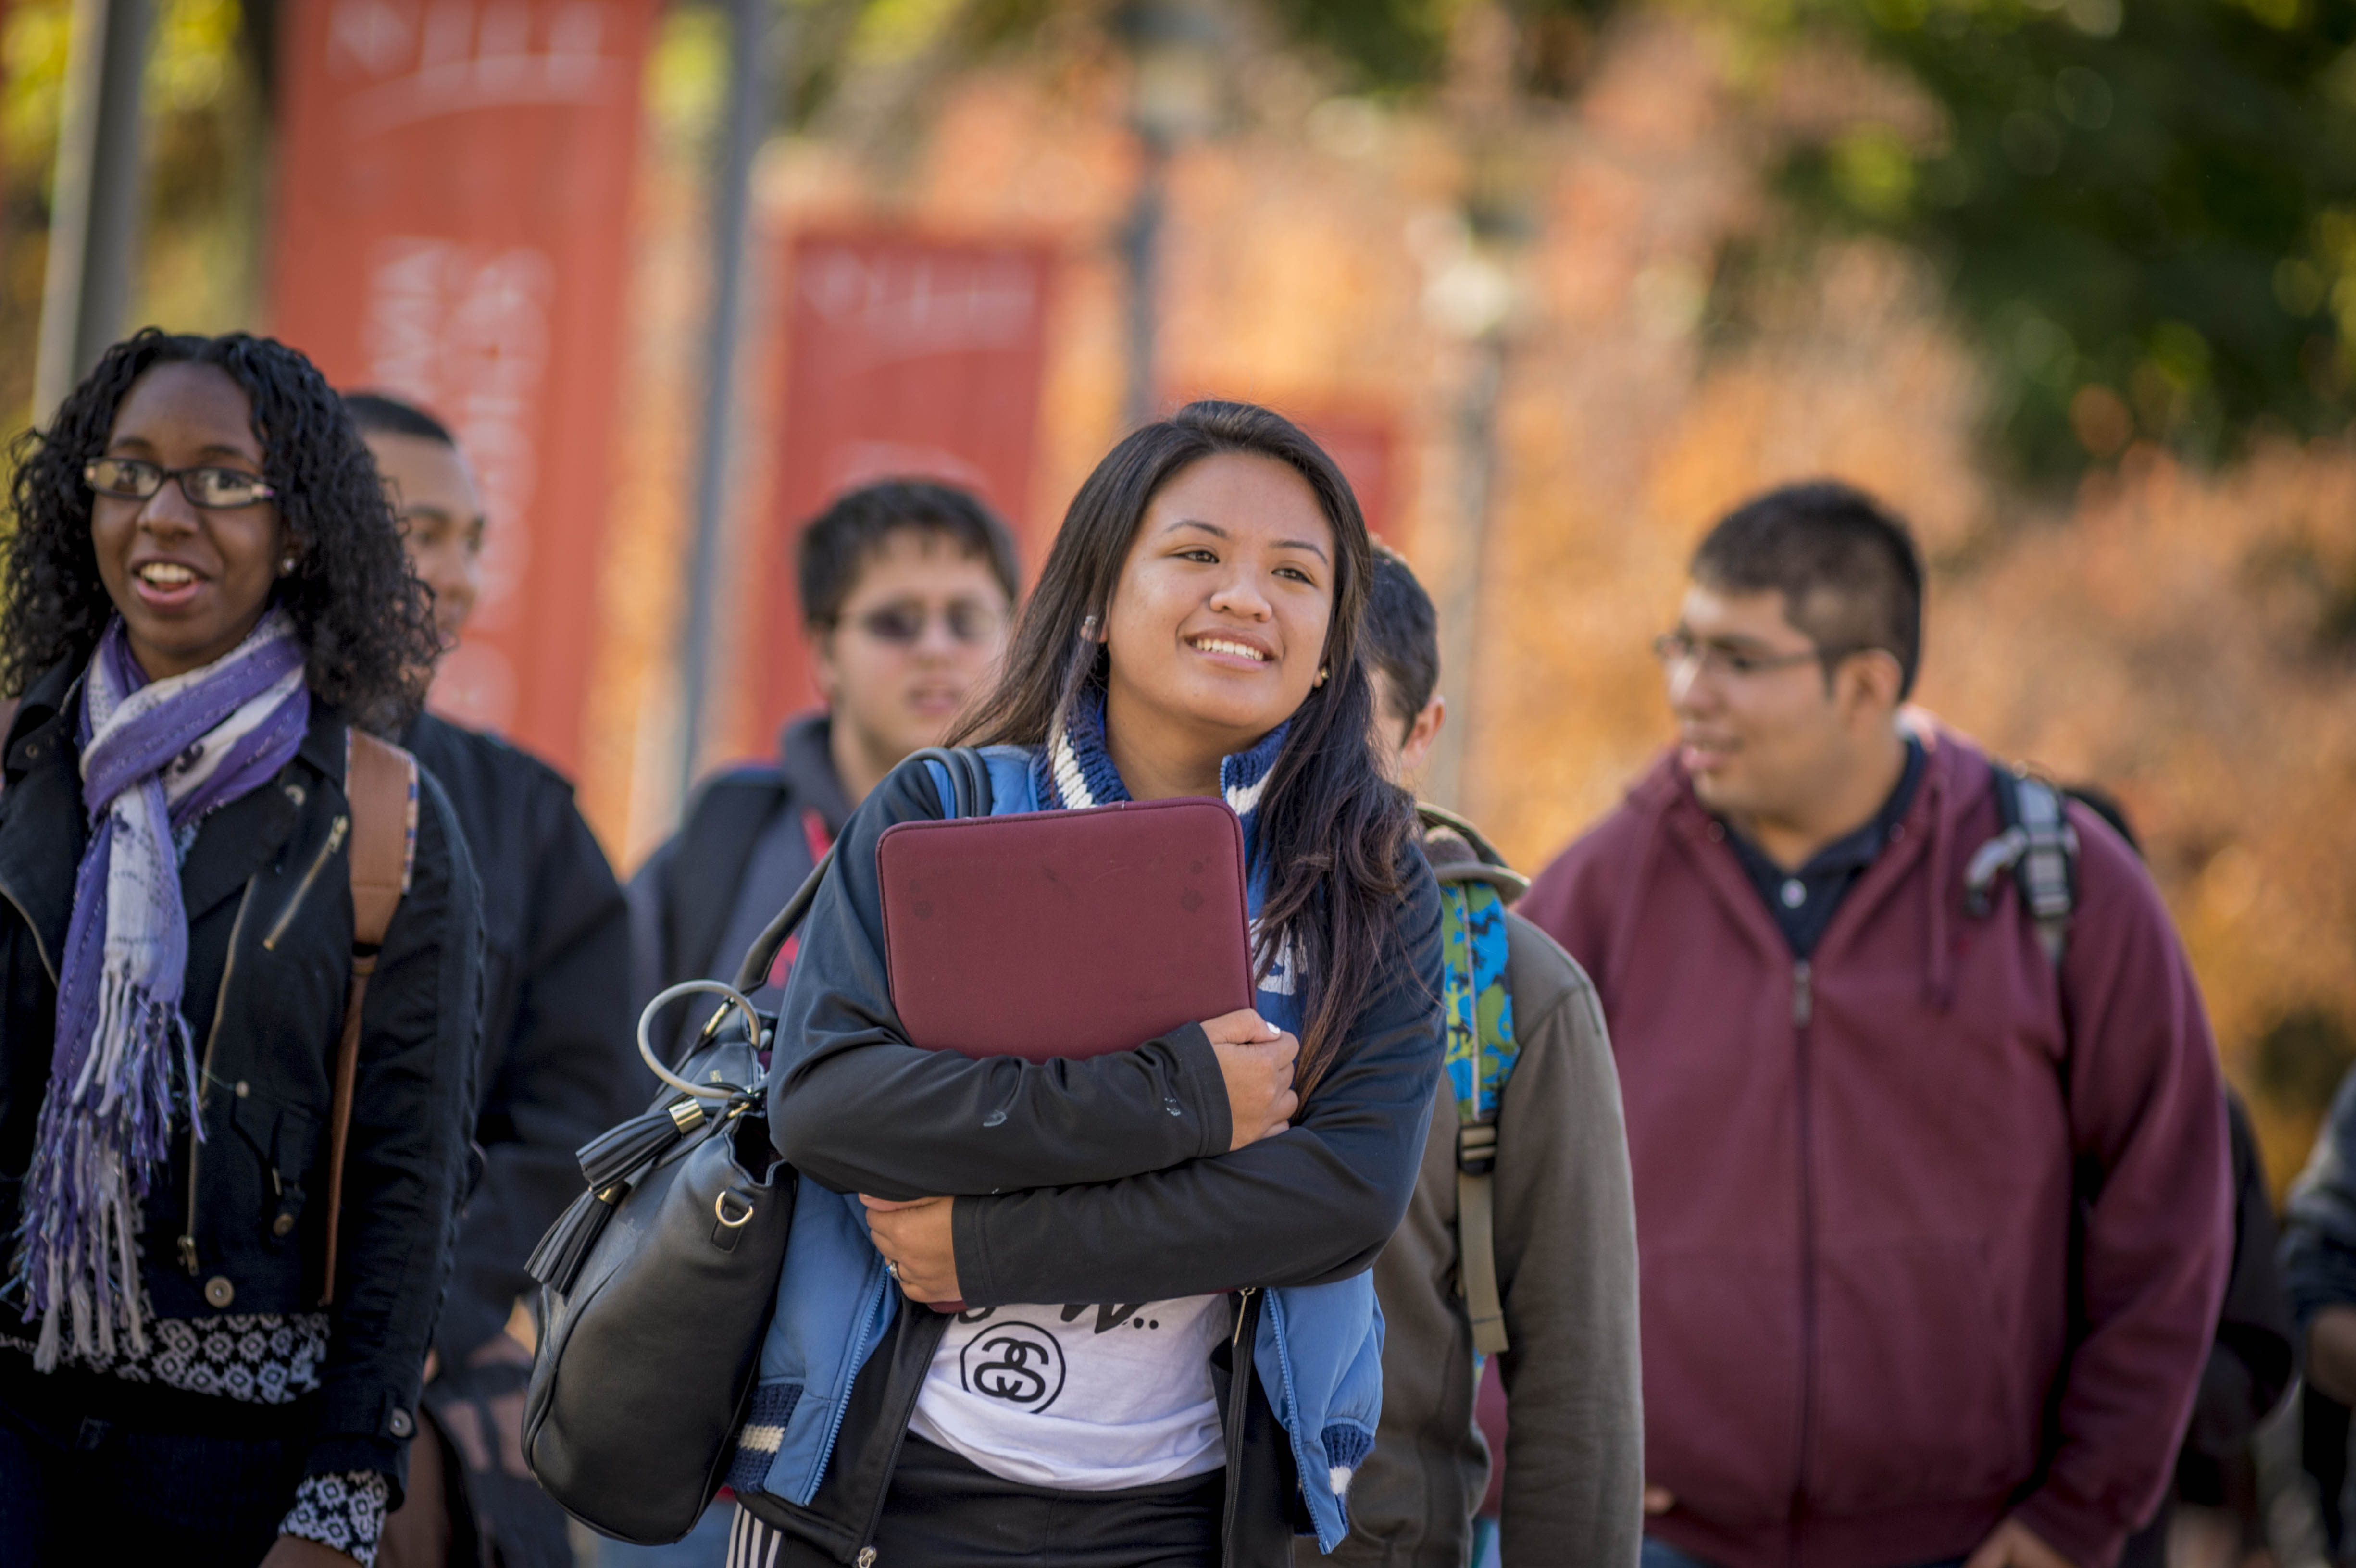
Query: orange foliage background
{"points": [[2166, 633]]}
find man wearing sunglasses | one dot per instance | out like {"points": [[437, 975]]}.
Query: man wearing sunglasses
{"points": [[1935, 1223], [908, 593]]}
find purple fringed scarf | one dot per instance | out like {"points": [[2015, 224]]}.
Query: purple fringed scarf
{"points": [[154, 759]]}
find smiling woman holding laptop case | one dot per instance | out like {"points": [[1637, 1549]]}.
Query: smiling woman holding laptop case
{"points": [[1170, 1353]]}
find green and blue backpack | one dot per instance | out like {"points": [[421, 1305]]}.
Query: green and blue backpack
{"points": [[1477, 1020]]}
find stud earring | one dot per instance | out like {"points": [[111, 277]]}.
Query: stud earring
{"points": [[1322, 672], [286, 567], [1088, 627]]}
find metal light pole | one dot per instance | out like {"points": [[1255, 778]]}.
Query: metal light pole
{"points": [[1473, 291], [753, 73], [95, 216], [1140, 242], [1475, 431], [1174, 47]]}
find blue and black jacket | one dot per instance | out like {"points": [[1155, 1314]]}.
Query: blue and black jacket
{"points": [[1097, 1181]]}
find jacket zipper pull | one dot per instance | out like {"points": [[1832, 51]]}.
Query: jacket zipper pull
{"points": [[1803, 993], [188, 1254], [866, 1558], [1243, 1305], [336, 831]]}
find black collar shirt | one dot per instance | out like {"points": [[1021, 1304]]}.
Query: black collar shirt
{"points": [[1802, 901]]}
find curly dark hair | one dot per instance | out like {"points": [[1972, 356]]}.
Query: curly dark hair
{"points": [[366, 621]]}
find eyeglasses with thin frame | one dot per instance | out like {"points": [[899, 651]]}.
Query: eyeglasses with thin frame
{"points": [[904, 623], [1675, 648], [217, 489]]}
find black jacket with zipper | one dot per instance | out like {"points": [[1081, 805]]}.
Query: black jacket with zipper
{"points": [[267, 889], [1101, 1180], [559, 1065]]}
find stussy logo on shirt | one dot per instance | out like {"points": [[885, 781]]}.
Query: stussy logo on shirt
{"points": [[1023, 1364]]}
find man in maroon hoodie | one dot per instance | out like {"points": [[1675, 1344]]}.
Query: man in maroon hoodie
{"points": [[1933, 1230]]}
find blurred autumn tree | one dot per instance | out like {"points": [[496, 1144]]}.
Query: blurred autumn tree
{"points": [[1399, 45], [206, 174], [2146, 213]]}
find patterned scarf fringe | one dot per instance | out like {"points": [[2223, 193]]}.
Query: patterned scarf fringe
{"points": [[155, 757], [85, 1210]]}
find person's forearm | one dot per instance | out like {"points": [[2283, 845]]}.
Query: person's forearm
{"points": [[857, 1109], [1313, 1204], [900, 1123], [1262, 1216], [412, 1115]]}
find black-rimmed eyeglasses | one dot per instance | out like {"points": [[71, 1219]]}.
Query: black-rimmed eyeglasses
{"points": [[219, 489], [1674, 649]]}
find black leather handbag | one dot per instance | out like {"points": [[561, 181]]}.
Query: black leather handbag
{"points": [[658, 1282]]}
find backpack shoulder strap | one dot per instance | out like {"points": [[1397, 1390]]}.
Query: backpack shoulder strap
{"points": [[966, 780], [1478, 1024], [2035, 842], [380, 787], [381, 782]]}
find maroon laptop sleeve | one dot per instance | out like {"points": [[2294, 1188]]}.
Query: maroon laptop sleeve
{"points": [[1065, 934]]}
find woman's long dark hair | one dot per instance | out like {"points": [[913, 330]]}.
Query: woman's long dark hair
{"points": [[1334, 834], [366, 622]]}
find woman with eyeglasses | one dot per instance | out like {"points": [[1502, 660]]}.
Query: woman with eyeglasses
{"points": [[1168, 1355], [204, 588]]}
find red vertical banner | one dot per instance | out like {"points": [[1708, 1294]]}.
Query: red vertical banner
{"points": [[452, 228], [1363, 446], [905, 358]]}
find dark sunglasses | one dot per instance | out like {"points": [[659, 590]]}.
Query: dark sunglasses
{"points": [[217, 488], [903, 624]]}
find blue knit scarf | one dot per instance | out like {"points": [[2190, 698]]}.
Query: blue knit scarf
{"points": [[1077, 771]]}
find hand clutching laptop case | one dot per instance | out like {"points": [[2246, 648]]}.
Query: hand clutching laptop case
{"points": [[1065, 934]]}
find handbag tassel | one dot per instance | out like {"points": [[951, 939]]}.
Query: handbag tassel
{"points": [[619, 1150], [556, 1262]]}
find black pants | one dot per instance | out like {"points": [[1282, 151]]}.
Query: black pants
{"points": [[943, 1512], [95, 1470]]}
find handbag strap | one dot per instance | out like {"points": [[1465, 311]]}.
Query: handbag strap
{"points": [[380, 783]]}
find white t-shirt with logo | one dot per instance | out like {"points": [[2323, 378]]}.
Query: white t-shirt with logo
{"points": [[1088, 1399]]}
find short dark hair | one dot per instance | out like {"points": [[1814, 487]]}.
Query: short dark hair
{"points": [[381, 413], [1847, 567], [1402, 632], [835, 545]]}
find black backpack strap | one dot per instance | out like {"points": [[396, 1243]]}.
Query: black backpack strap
{"points": [[969, 777], [714, 848], [2036, 843]]}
